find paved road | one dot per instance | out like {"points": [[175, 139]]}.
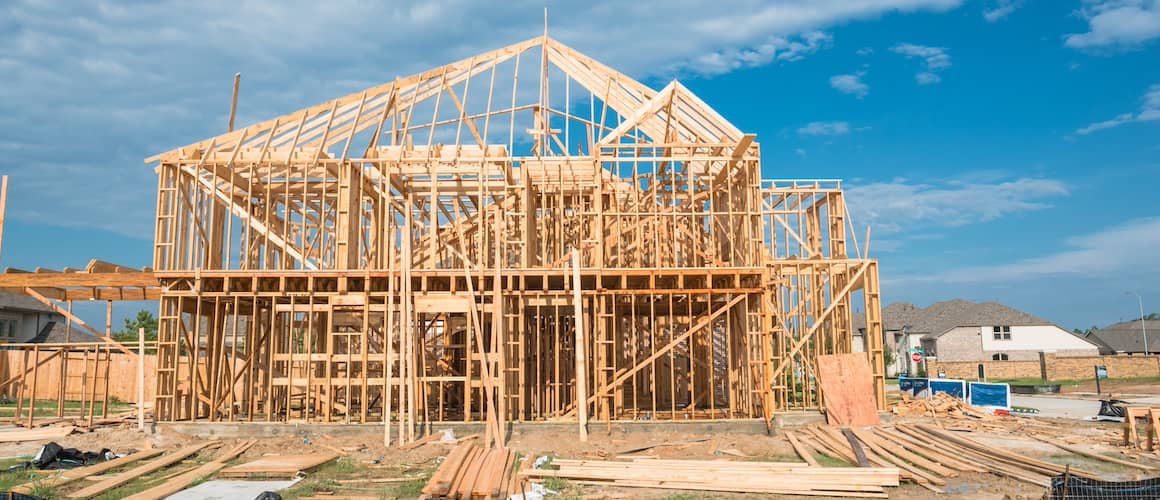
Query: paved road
{"points": [[1050, 406]]}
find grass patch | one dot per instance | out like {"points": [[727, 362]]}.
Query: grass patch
{"points": [[9, 479], [48, 408], [825, 460], [1082, 462], [555, 483], [1039, 381]]}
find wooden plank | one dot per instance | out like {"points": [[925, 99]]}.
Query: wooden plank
{"points": [[42, 434], [122, 478], [279, 465], [801, 449], [69, 476], [846, 383], [181, 482]]}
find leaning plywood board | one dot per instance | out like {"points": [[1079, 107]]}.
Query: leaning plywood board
{"points": [[848, 388], [279, 465]]}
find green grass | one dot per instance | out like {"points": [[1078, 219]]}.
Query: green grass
{"points": [[48, 408], [1039, 381], [828, 461]]}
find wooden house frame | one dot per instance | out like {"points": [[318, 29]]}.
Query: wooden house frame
{"points": [[424, 251]]}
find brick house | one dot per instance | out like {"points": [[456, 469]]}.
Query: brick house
{"points": [[960, 330]]}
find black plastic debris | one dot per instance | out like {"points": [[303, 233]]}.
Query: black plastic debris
{"points": [[269, 495], [8, 495], [1079, 488], [53, 456]]}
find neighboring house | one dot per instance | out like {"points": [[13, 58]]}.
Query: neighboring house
{"points": [[1127, 337], [960, 330], [24, 319]]}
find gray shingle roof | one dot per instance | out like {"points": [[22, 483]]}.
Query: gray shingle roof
{"points": [[19, 302], [940, 317], [56, 332], [1127, 336]]}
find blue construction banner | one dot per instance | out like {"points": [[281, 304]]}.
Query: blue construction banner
{"points": [[917, 387], [990, 395], [955, 388]]}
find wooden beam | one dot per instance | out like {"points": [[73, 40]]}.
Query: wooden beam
{"points": [[77, 321]]}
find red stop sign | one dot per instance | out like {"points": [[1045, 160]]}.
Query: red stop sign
{"points": [[916, 357]]}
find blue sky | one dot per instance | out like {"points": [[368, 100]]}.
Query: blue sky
{"points": [[1000, 150]]}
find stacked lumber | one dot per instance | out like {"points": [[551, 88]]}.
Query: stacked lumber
{"points": [[471, 471], [928, 455], [783, 478], [940, 405]]}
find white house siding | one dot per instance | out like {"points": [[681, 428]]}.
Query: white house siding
{"points": [[1028, 341]]}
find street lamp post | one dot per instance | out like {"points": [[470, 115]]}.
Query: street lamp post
{"points": [[1143, 326]]}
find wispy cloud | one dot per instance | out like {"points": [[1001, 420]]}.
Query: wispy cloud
{"points": [[824, 128], [934, 60], [775, 49], [1128, 246], [1149, 111], [850, 84], [1001, 9], [864, 51], [91, 88], [1117, 24], [901, 204]]}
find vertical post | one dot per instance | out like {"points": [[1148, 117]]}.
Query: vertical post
{"points": [[581, 361], [1096, 369], [3, 206], [141, 378], [234, 102]]}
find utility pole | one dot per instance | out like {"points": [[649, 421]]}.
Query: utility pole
{"points": [[1143, 326]]}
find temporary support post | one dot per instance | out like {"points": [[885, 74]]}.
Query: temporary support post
{"points": [[3, 208], [581, 357], [141, 378]]}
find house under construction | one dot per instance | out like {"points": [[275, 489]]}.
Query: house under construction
{"points": [[526, 234]]}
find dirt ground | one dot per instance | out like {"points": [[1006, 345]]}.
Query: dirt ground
{"points": [[365, 457]]}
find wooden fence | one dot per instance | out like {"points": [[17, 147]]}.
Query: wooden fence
{"points": [[79, 371]]}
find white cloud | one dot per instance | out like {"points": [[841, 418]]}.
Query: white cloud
{"points": [[1001, 9], [824, 128], [934, 59], [864, 51], [800, 152], [93, 87], [1149, 111], [927, 78], [899, 205], [775, 49], [1117, 24], [1128, 247], [850, 84]]}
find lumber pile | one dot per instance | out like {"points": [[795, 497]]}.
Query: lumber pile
{"points": [[42, 434], [929, 455], [939, 405], [283, 466], [783, 478], [471, 471]]}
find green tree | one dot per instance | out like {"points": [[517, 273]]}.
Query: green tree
{"points": [[144, 319], [1152, 316]]}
